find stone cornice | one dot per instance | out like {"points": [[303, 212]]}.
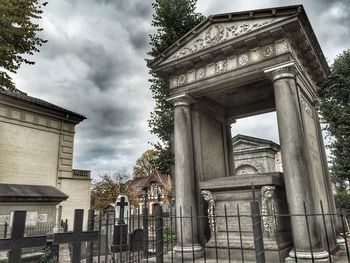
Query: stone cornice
{"points": [[28, 105], [22, 117], [181, 100]]}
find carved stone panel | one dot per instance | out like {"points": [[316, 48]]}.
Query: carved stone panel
{"points": [[231, 63], [218, 33], [268, 209]]}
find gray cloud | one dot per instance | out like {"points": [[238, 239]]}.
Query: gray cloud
{"points": [[94, 64]]}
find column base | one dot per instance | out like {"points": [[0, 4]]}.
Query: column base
{"points": [[188, 252], [305, 257], [341, 243]]}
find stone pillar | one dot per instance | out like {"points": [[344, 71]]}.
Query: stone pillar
{"points": [[185, 180], [297, 179], [229, 146], [58, 228]]}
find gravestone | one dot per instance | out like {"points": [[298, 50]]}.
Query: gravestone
{"points": [[136, 240], [120, 234], [236, 65]]}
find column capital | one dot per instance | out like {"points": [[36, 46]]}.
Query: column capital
{"points": [[281, 71], [230, 120], [181, 100]]}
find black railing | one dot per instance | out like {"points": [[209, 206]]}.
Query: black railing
{"points": [[35, 230], [236, 237]]}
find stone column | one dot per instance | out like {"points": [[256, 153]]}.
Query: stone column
{"points": [[295, 164], [185, 180], [229, 121]]}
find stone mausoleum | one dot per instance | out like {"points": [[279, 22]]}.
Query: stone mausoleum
{"points": [[36, 148], [253, 155], [232, 66]]}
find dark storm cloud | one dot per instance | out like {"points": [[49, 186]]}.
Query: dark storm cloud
{"points": [[136, 9], [144, 9], [139, 40], [102, 66]]}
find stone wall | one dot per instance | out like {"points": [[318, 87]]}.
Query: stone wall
{"points": [[79, 198], [46, 212], [28, 155]]}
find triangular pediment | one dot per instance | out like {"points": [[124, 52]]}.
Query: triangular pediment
{"points": [[263, 33], [243, 142], [218, 33], [220, 28]]}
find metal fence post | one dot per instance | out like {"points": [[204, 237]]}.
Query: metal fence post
{"points": [[257, 230], [145, 225], [5, 230], [52, 248], [159, 234], [90, 227]]}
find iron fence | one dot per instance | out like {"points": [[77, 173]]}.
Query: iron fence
{"points": [[230, 237], [34, 230]]}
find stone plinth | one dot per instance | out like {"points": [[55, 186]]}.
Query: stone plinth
{"points": [[236, 190]]}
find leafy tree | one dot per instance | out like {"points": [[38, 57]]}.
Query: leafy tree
{"points": [[334, 108], [18, 36], [342, 201], [173, 19], [146, 164], [106, 189]]}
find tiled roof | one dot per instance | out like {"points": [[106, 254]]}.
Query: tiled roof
{"points": [[139, 184]]}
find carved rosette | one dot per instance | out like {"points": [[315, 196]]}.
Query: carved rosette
{"points": [[268, 209], [208, 197]]}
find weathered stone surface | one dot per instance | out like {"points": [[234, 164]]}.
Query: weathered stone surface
{"points": [[232, 192]]}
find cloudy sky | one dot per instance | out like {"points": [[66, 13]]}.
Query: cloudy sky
{"points": [[94, 64]]}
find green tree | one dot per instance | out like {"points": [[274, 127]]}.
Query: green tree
{"points": [[172, 19], [334, 107], [18, 36], [146, 164]]}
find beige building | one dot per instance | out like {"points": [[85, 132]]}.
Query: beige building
{"points": [[36, 148]]}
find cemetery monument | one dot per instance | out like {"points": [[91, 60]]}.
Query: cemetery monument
{"points": [[236, 65]]}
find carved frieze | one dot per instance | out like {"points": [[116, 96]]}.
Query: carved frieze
{"points": [[208, 197], [268, 51], [243, 59], [306, 106], [4, 219], [218, 33], [268, 209], [282, 46], [220, 66], [200, 74], [231, 63]]}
